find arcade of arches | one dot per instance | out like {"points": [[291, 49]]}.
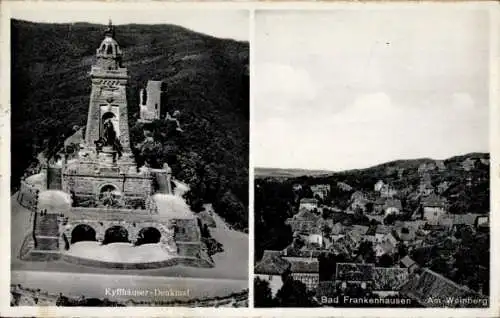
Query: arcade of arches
{"points": [[115, 234]]}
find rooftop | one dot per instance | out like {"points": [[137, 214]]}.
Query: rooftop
{"points": [[389, 279], [431, 285], [271, 264], [354, 272]]}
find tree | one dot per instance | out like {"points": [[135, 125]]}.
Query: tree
{"points": [[262, 293], [293, 293], [366, 251], [402, 250], [386, 260], [326, 230]]}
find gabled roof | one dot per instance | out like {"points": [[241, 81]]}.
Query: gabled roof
{"points": [[337, 229], [361, 229], [354, 272], [434, 201], [271, 264], [301, 265], [306, 215], [309, 200], [382, 229], [393, 203], [386, 246], [431, 285], [407, 261], [466, 219], [389, 279]]}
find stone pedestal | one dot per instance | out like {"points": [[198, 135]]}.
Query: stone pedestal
{"points": [[107, 156]]}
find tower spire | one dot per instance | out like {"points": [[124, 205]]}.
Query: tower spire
{"points": [[110, 30]]}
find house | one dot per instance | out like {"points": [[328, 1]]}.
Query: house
{"points": [[466, 219], [308, 204], [271, 269], [305, 270], [388, 191], [320, 190], [354, 275], [304, 222], [344, 186], [425, 189], [434, 207], [426, 167], [440, 165], [388, 246], [442, 187], [378, 186], [337, 231], [405, 234], [358, 201], [430, 289], [315, 238], [381, 231], [352, 240], [468, 164], [378, 205], [483, 223], [392, 206], [409, 264], [361, 229], [370, 238], [388, 281], [339, 248]]}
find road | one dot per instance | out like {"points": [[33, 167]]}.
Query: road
{"points": [[125, 287]]}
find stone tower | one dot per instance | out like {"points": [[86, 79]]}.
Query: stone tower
{"points": [[108, 98]]}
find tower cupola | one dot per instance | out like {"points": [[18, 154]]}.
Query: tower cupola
{"points": [[109, 54]]}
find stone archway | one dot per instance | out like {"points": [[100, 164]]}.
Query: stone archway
{"points": [[83, 232], [116, 234], [148, 235]]}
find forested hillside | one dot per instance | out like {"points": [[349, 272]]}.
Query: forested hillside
{"points": [[205, 78]]}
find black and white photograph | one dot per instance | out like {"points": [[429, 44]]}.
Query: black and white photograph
{"points": [[129, 157], [370, 142]]}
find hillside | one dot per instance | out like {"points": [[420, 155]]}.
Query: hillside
{"points": [[287, 173], [467, 191], [205, 78]]}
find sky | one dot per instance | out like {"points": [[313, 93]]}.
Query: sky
{"points": [[222, 23], [350, 89]]}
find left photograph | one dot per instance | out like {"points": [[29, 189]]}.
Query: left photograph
{"points": [[129, 158]]}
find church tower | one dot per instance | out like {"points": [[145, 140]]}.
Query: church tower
{"points": [[108, 98]]}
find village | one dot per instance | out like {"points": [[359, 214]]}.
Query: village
{"points": [[379, 251]]}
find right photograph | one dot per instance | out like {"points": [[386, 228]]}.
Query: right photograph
{"points": [[370, 143]]}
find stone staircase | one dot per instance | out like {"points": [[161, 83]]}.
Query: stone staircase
{"points": [[46, 232]]}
